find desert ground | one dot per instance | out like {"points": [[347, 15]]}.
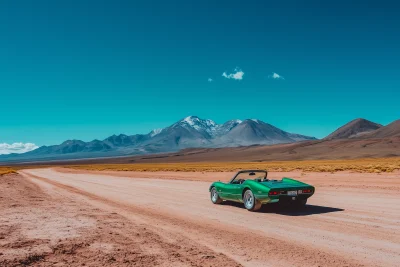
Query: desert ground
{"points": [[75, 217]]}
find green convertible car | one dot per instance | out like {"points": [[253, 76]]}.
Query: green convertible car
{"points": [[253, 188]]}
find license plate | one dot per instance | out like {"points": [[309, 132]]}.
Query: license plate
{"points": [[292, 193]]}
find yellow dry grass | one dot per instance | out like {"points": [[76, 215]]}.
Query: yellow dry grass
{"points": [[353, 165], [14, 169], [6, 170]]}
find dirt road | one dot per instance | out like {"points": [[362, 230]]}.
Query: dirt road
{"points": [[342, 225]]}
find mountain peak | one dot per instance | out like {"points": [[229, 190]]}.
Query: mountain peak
{"points": [[252, 121], [198, 124], [354, 128], [73, 141], [193, 120], [191, 117]]}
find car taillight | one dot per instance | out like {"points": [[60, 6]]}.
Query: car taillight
{"points": [[305, 191], [273, 193]]}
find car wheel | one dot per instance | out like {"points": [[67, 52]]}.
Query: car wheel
{"points": [[215, 197], [250, 202]]}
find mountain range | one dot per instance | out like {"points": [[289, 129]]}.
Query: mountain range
{"points": [[190, 132], [359, 138], [250, 139]]}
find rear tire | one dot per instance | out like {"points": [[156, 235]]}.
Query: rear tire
{"points": [[215, 197], [250, 202]]}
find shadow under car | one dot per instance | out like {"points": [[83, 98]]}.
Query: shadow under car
{"points": [[288, 210]]}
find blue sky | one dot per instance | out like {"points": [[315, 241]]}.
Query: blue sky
{"points": [[89, 69]]}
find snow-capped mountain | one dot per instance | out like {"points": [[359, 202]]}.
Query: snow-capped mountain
{"points": [[188, 132], [200, 125], [226, 127]]}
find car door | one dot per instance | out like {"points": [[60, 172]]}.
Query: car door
{"points": [[233, 191]]}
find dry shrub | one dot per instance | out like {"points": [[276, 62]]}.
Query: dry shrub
{"points": [[353, 165], [6, 170]]}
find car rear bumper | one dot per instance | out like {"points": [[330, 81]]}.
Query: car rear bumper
{"points": [[265, 199], [289, 199]]}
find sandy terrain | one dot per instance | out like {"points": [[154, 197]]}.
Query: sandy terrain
{"points": [[131, 219], [46, 225], [373, 181]]}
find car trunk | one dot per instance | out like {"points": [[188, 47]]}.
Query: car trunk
{"points": [[283, 185]]}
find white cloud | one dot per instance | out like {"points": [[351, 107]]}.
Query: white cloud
{"points": [[16, 148], [210, 80], [237, 75], [276, 76]]}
